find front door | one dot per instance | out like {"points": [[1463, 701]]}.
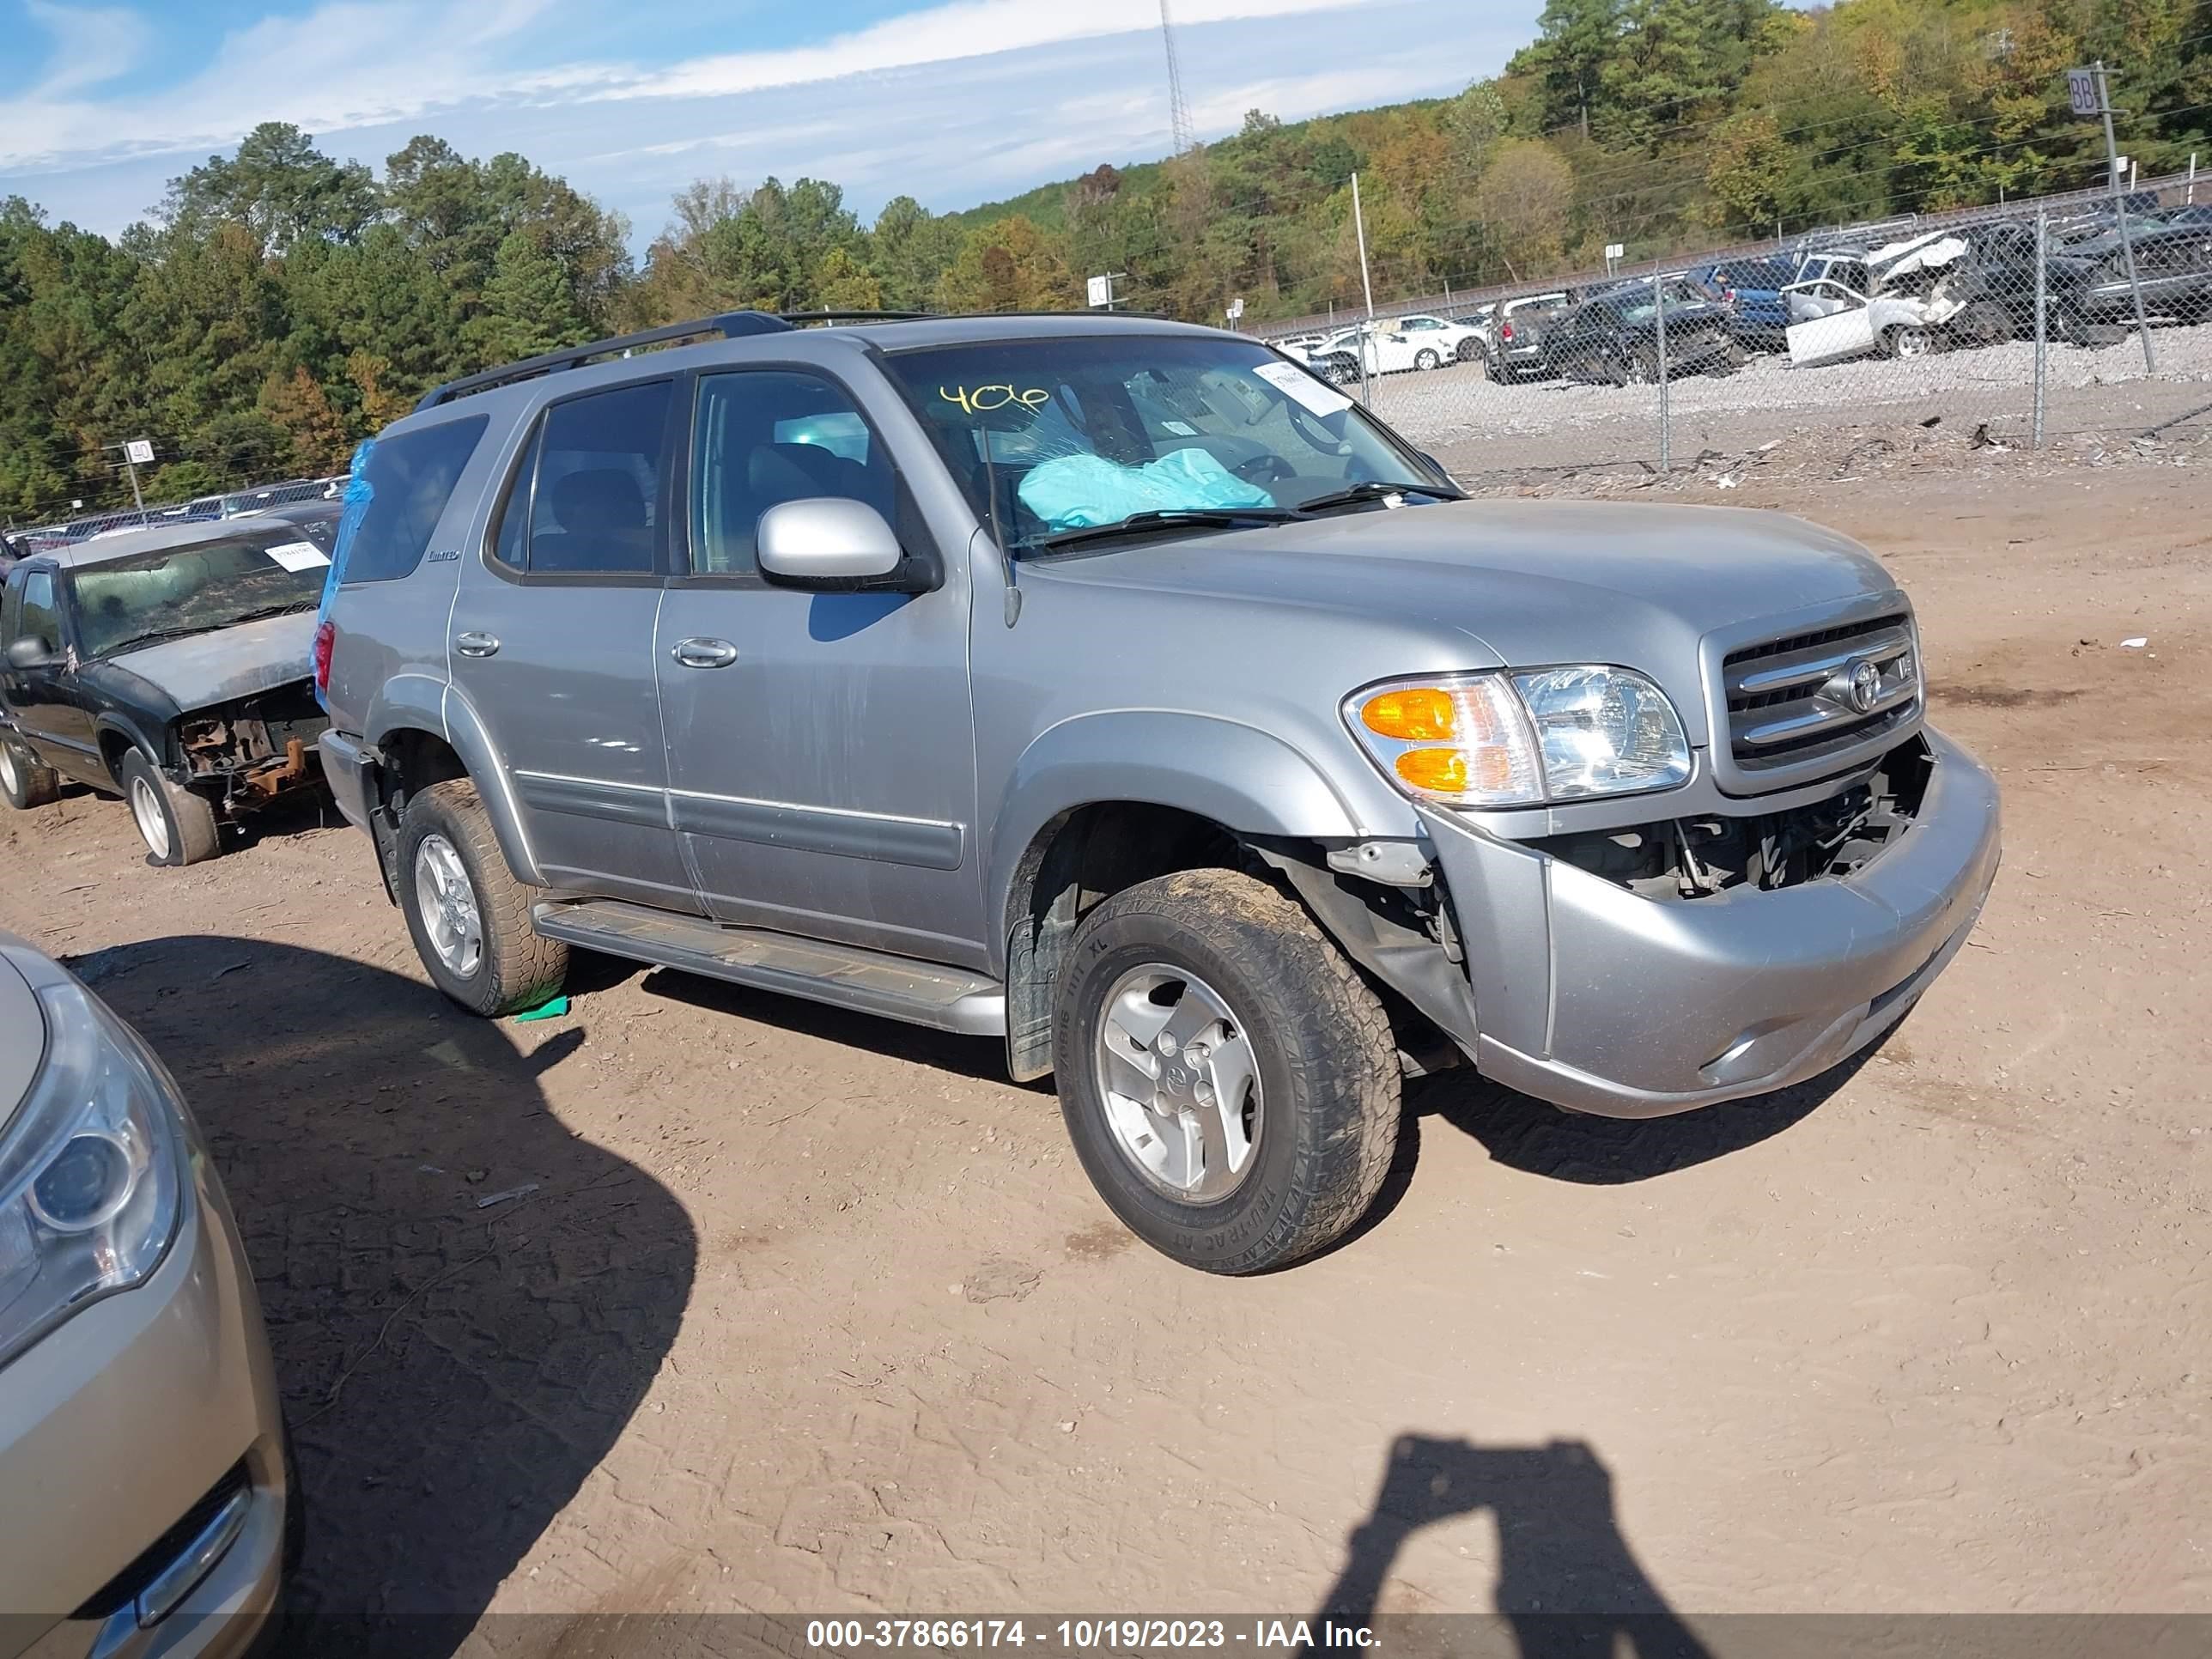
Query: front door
{"points": [[551, 643], [47, 709], [821, 746]]}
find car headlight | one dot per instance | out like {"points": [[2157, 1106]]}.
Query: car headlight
{"points": [[91, 1170], [1519, 739]]}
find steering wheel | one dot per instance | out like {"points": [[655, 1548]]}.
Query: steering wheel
{"points": [[1264, 469]]}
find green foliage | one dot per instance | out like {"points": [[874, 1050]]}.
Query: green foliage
{"points": [[281, 304]]}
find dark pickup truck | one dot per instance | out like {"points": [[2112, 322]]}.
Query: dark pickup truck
{"points": [[169, 666], [1614, 337]]}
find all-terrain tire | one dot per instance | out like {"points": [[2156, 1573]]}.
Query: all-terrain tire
{"points": [[1326, 1062], [516, 968], [177, 827], [24, 782]]}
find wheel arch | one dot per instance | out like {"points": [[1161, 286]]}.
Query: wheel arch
{"points": [[425, 732]]}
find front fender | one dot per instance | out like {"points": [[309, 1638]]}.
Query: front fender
{"points": [[421, 702], [1245, 779]]}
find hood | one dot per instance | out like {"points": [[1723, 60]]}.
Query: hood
{"points": [[207, 668], [22, 1036], [1923, 253], [1520, 583]]}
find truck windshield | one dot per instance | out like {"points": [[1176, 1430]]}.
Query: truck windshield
{"points": [[1049, 436], [125, 603]]}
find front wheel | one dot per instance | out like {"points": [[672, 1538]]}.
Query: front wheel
{"points": [[1909, 341], [23, 780], [177, 827], [469, 917], [1230, 1084], [1426, 358]]}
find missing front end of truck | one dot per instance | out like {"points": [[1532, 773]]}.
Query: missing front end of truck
{"points": [[254, 750], [1695, 857]]}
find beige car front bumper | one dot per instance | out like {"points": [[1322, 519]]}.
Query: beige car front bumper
{"points": [[142, 1465]]}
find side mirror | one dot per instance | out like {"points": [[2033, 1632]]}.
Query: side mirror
{"points": [[827, 544], [29, 652]]}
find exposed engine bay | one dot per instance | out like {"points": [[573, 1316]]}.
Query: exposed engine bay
{"points": [[1696, 858], [255, 749]]}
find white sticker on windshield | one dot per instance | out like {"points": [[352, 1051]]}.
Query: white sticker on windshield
{"points": [[1302, 389], [1181, 428], [297, 556]]}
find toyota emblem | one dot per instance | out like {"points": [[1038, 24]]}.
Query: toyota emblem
{"points": [[1864, 686]]}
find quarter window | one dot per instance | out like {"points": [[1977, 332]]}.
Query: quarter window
{"points": [[410, 478]]}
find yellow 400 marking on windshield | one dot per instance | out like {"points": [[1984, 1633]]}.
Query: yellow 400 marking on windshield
{"points": [[980, 400]]}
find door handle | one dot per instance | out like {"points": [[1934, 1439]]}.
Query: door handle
{"points": [[476, 645], [704, 654]]}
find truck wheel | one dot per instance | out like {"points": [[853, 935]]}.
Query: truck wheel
{"points": [[469, 917], [24, 781], [177, 827], [1230, 1083]]}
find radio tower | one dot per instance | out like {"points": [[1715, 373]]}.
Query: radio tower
{"points": [[1178, 110]]}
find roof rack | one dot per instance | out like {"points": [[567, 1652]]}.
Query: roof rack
{"points": [[731, 325]]}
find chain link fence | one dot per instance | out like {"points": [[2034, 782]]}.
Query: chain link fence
{"points": [[2072, 314], [233, 504]]}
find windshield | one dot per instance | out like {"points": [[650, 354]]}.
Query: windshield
{"points": [[124, 603], [1051, 435]]}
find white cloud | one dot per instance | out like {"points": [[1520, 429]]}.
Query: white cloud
{"points": [[353, 64], [92, 46]]}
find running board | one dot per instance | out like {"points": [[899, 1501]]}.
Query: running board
{"points": [[870, 981]]}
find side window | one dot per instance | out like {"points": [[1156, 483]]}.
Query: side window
{"points": [[410, 478], [763, 437], [591, 486], [37, 615]]}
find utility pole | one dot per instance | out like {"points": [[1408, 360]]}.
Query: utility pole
{"points": [[1360, 228], [2090, 92]]}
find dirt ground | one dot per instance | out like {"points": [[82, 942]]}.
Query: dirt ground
{"points": [[805, 1312]]}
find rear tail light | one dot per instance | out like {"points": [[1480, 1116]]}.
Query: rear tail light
{"points": [[1505, 333], [325, 634]]}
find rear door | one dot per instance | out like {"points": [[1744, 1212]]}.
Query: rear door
{"points": [[43, 702], [822, 745], [552, 637]]}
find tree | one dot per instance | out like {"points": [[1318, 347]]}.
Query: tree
{"points": [[1748, 166], [1575, 39], [1523, 200], [297, 405], [529, 306], [1008, 265], [280, 187], [842, 283]]}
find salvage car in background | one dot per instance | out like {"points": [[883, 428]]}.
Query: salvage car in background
{"points": [[1752, 291], [169, 666], [1894, 300], [151, 1508], [1614, 336], [1515, 348]]}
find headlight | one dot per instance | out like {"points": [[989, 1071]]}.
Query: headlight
{"points": [[91, 1170], [1523, 739]]}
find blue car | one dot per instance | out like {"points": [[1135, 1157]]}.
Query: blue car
{"points": [[1753, 289]]}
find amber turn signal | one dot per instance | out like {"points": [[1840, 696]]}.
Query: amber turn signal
{"points": [[1414, 713]]}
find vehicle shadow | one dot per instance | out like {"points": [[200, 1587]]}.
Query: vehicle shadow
{"points": [[1535, 1136], [466, 1301], [1568, 1584]]}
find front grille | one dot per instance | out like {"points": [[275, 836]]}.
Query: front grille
{"points": [[1820, 695]]}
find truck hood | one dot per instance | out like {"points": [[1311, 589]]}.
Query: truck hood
{"points": [[207, 668], [1522, 583]]}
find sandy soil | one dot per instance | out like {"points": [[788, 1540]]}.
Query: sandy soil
{"points": [[807, 1312]]}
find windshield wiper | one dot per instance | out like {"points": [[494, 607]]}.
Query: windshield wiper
{"points": [[159, 636], [1374, 490], [1154, 520], [269, 610]]}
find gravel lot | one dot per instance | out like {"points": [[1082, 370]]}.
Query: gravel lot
{"points": [[813, 1313], [1558, 423]]}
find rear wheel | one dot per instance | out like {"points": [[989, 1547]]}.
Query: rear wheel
{"points": [[177, 827], [1230, 1084], [23, 780], [469, 917]]}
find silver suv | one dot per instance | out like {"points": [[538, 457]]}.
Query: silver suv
{"points": [[1120, 689]]}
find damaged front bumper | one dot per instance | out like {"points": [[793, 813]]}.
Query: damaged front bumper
{"points": [[1602, 1000]]}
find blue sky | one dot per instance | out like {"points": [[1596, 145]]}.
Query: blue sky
{"points": [[953, 102]]}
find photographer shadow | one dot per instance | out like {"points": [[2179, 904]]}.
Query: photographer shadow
{"points": [[466, 1301], [1568, 1585]]}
